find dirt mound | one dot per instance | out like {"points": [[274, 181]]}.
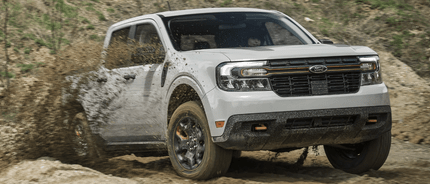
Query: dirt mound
{"points": [[47, 170], [409, 97]]}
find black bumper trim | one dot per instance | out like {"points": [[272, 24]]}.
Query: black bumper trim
{"points": [[238, 133]]}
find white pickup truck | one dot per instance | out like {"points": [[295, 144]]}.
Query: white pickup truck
{"points": [[202, 84]]}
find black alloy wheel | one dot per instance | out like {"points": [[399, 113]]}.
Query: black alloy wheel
{"points": [[80, 142], [191, 150], [189, 143], [81, 139]]}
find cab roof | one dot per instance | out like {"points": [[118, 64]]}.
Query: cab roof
{"points": [[189, 12], [209, 10]]}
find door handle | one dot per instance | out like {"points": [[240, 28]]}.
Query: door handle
{"points": [[130, 76], [102, 80]]}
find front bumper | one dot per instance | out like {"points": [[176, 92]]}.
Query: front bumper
{"points": [[220, 105], [291, 129]]}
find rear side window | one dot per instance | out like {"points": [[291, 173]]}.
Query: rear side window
{"points": [[118, 54], [147, 46]]}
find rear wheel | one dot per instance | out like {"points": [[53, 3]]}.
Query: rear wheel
{"points": [[191, 150], [81, 137], [237, 153], [361, 157]]}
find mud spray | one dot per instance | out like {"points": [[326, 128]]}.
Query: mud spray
{"points": [[37, 102], [45, 104]]}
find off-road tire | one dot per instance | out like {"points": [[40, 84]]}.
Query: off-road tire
{"points": [[83, 145], [237, 153], [215, 160], [368, 155]]}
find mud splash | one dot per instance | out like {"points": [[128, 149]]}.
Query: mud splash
{"points": [[38, 103], [75, 80]]}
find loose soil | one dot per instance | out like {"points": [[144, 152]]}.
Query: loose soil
{"points": [[407, 163]]}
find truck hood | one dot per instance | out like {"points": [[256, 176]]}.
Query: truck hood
{"points": [[294, 51]]}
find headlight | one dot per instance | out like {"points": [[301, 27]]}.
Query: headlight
{"points": [[368, 66], [243, 76], [370, 70]]}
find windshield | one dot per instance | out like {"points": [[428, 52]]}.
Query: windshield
{"points": [[233, 29]]}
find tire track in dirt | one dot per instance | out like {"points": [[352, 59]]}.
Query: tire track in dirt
{"points": [[407, 163]]}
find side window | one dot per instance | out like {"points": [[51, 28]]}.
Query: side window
{"points": [[118, 52], [147, 47], [281, 35]]}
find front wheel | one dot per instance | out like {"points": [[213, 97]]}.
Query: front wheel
{"points": [[361, 157], [191, 150]]}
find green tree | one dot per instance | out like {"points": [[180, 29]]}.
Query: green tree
{"points": [[5, 33], [59, 13]]}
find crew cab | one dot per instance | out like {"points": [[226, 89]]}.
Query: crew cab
{"points": [[204, 84]]}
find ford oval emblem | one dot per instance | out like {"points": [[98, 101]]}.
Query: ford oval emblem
{"points": [[318, 69]]}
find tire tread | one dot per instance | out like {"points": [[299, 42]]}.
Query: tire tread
{"points": [[375, 154], [220, 159]]}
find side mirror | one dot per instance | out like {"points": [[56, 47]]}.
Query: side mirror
{"points": [[326, 41]]}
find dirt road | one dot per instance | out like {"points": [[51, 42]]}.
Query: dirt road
{"points": [[407, 163]]}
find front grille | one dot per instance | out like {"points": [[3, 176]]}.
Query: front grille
{"points": [[316, 84], [332, 121], [292, 77]]}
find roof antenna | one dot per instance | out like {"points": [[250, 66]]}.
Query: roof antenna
{"points": [[168, 4]]}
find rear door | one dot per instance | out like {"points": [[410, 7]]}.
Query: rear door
{"points": [[138, 119]]}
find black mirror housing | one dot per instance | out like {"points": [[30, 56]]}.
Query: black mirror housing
{"points": [[326, 41]]}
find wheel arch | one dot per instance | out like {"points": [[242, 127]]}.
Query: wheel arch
{"points": [[71, 108], [182, 90]]}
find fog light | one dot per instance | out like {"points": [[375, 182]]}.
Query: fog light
{"points": [[259, 127]]}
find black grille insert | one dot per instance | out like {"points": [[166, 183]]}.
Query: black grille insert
{"points": [[315, 84], [317, 122]]}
